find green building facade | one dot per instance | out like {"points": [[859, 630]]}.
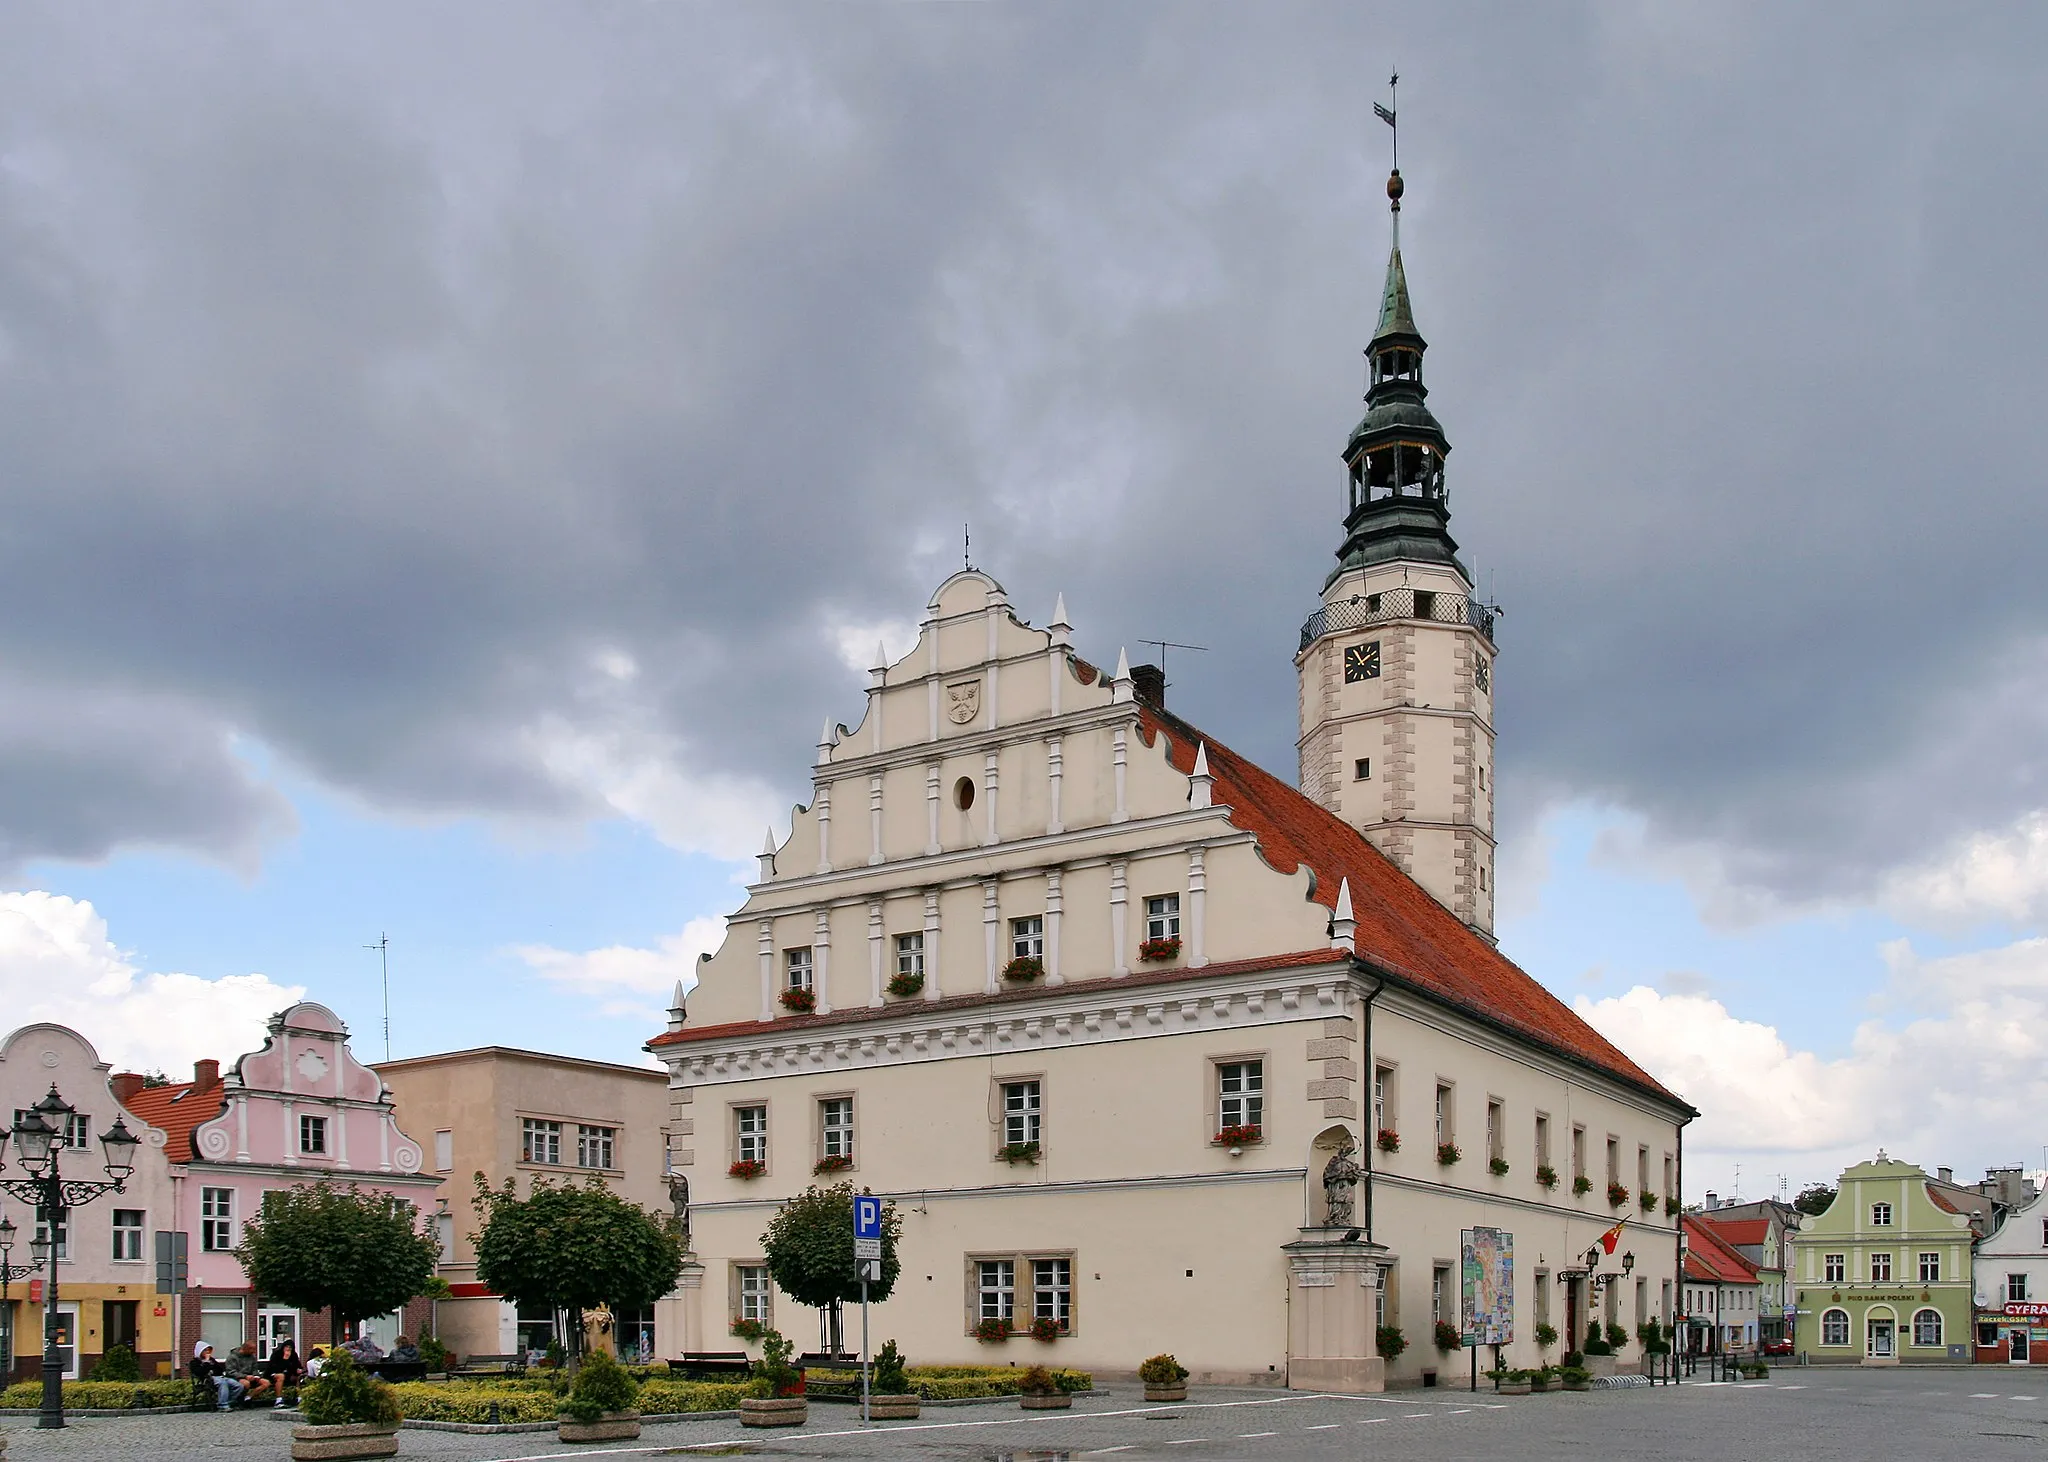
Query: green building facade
{"points": [[1884, 1276]]}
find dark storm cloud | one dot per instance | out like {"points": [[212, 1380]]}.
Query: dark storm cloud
{"points": [[372, 379]]}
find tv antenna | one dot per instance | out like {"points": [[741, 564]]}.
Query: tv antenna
{"points": [[383, 948], [1164, 646]]}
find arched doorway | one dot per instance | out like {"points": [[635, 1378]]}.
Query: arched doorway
{"points": [[1881, 1336]]}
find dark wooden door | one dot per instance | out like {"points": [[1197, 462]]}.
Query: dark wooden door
{"points": [[121, 1324]]}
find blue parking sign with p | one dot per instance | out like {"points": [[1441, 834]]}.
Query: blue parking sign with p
{"points": [[867, 1217]]}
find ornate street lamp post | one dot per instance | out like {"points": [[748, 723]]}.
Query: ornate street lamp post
{"points": [[8, 1274], [39, 1139]]}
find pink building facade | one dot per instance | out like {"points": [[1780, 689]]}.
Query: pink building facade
{"points": [[301, 1109]]}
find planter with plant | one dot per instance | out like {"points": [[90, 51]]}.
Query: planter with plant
{"points": [[745, 1169], [748, 1330], [1389, 1342], [1651, 1334], [1617, 1338], [892, 1397], [1016, 1152], [1024, 968], [1514, 1383], [1447, 1153], [1617, 1196], [1447, 1337], [837, 1163], [1574, 1378], [1546, 1335], [1165, 1378], [600, 1404], [1389, 1140], [1546, 1176], [1155, 950], [1671, 1208], [784, 1405], [802, 1000], [1542, 1378], [903, 985], [1582, 1185], [1755, 1370], [1596, 1356], [1498, 1166], [1649, 1201], [1045, 1328], [993, 1331], [349, 1413], [1039, 1390], [1239, 1135]]}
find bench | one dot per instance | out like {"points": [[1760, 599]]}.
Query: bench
{"points": [[398, 1370], [713, 1365], [490, 1365]]}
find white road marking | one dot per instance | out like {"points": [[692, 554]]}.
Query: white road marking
{"points": [[1372, 1421], [1983, 1396], [1425, 1415], [1187, 1441], [1328, 1426], [1247, 1436], [1105, 1451], [2019, 1398]]}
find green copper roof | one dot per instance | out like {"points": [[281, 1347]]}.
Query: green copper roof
{"points": [[1397, 317]]}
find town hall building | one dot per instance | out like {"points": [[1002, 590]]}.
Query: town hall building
{"points": [[1150, 1049]]}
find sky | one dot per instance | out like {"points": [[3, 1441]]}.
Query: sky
{"points": [[453, 457]]}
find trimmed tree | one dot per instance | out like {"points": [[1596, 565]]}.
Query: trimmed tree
{"points": [[351, 1253], [1814, 1199], [574, 1248], [809, 1248]]}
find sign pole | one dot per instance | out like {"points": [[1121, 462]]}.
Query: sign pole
{"points": [[864, 1416], [867, 1257]]}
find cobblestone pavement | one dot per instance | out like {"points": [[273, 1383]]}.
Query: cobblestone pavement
{"points": [[1983, 1413]]}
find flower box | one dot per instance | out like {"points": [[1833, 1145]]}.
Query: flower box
{"points": [[746, 1168], [1617, 1196], [1057, 1401], [991, 1332], [612, 1426], [1239, 1136], [903, 986], [1497, 1166], [1016, 1152], [1649, 1202], [1447, 1153], [1154, 950], [1389, 1140], [747, 1329], [1671, 1208], [802, 1001], [1178, 1391], [1046, 1329], [831, 1165], [1582, 1185], [1024, 968], [349, 1439], [1546, 1176]]}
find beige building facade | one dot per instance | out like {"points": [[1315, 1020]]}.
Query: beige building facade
{"points": [[503, 1112], [1151, 1050]]}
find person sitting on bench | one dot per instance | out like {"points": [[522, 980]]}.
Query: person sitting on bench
{"points": [[226, 1390], [243, 1365]]}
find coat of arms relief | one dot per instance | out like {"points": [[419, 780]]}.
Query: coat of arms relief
{"points": [[963, 702]]}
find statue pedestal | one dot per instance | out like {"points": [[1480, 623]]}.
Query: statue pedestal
{"points": [[1331, 1287]]}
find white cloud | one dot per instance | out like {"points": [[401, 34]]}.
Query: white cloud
{"points": [[57, 964], [1954, 1071], [855, 641], [643, 774], [1993, 875], [620, 976]]}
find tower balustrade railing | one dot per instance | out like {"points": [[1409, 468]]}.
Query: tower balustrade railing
{"points": [[1389, 605]]}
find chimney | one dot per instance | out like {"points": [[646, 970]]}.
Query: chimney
{"points": [[1712, 1201], [1946, 1175], [124, 1085], [1150, 683], [205, 1074]]}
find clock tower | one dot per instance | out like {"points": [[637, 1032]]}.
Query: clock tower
{"points": [[1396, 667]]}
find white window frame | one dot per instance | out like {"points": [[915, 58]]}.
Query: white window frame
{"points": [[755, 1292], [1052, 1291], [1023, 1107], [995, 1289], [1930, 1266], [78, 1132], [2016, 1289], [1913, 1326], [1162, 916], [216, 1220], [312, 1135], [910, 954], [601, 1142], [750, 1133], [1027, 937], [547, 1151], [836, 1127], [799, 971], [1834, 1269], [133, 1232], [1241, 1093], [1880, 1215], [1881, 1260], [1834, 1313]]}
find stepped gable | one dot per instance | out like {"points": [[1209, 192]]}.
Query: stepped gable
{"points": [[1401, 929], [179, 1110]]}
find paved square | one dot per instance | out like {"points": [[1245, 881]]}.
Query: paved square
{"points": [[1813, 1415]]}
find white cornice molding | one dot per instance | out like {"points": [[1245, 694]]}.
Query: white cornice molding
{"points": [[1603, 1221], [1063, 1018], [918, 753], [912, 1197]]}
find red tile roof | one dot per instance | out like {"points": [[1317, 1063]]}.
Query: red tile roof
{"points": [[1402, 930], [797, 1025], [1738, 1230], [178, 1110], [1939, 1201], [1708, 1258]]}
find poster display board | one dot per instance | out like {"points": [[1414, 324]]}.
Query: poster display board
{"points": [[1486, 1290]]}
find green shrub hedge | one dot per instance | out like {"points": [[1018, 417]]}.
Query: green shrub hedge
{"points": [[470, 1401], [100, 1395]]}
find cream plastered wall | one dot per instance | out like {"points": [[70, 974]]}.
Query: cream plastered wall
{"points": [[1128, 1072]]}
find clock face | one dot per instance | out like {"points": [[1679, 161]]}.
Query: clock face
{"points": [[1481, 674], [1362, 662]]}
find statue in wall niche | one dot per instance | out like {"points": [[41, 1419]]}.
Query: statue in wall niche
{"points": [[1341, 1176], [679, 1199]]}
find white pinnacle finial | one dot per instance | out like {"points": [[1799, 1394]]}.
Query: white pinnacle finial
{"points": [[1343, 926], [768, 845], [1343, 898], [767, 857], [825, 737], [1059, 612], [678, 1013], [1201, 782], [881, 657], [1120, 683]]}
